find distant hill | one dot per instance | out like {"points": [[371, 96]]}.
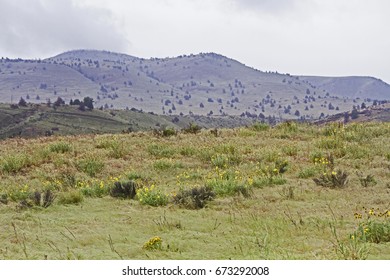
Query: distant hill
{"points": [[352, 87], [203, 84]]}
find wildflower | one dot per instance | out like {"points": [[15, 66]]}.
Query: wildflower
{"points": [[371, 212]]}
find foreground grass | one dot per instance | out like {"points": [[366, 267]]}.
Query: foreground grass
{"points": [[266, 204]]}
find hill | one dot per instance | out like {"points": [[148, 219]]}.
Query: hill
{"points": [[352, 87], [202, 84], [39, 120]]}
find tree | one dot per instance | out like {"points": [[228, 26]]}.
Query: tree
{"points": [[22, 102], [88, 102], [346, 117], [82, 106], [354, 114], [59, 102]]}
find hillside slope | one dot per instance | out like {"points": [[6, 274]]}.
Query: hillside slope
{"points": [[202, 84]]}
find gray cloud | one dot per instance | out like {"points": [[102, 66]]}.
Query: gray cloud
{"points": [[267, 6], [38, 27]]}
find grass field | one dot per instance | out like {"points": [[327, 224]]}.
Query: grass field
{"points": [[294, 191]]}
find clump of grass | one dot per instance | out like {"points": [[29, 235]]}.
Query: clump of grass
{"points": [[260, 126], [163, 165], [228, 182], [91, 166], [93, 188], [307, 172], [350, 249], [375, 227], [70, 197], [290, 150], [151, 196], [60, 147], [116, 148], [367, 181], [332, 179], [161, 151], [187, 151], [132, 176], [271, 174], [4, 198], [288, 127], [14, 163], [195, 198], [124, 189]]}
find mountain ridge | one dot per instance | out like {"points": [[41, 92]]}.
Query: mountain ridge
{"points": [[201, 84]]}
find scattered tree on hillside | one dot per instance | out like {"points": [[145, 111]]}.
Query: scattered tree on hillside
{"points": [[354, 114], [59, 102], [88, 102], [22, 102]]}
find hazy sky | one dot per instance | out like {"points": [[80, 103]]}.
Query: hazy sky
{"points": [[301, 37]]}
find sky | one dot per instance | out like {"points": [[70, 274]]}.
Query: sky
{"points": [[300, 37]]}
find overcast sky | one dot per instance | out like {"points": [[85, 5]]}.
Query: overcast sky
{"points": [[301, 37]]}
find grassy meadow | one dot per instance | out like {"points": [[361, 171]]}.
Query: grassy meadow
{"points": [[293, 191]]}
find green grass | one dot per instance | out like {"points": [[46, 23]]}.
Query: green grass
{"points": [[265, 204]]}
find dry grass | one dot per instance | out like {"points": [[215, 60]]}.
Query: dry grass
{"points": [[290, 220]]}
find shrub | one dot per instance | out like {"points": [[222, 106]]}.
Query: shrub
{"points": [[332, 179], [124, 189], [195, 198], [165, 132], [192, 129]]}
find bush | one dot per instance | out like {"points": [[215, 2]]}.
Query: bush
{"points": [[124, 189], [165, 132], [196, 198], [192, 129]]}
